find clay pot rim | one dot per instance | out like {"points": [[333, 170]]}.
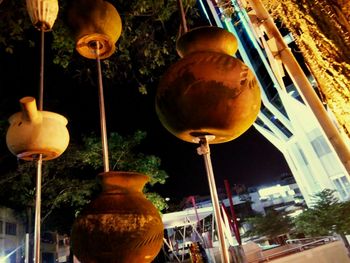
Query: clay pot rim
{"points": [[123, 173]]}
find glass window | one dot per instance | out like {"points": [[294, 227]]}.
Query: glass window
{"points": [[1, 224], [320, 146], [11, 229], [340, 188], [346, 184]]}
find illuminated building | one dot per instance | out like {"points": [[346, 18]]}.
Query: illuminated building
{"points": [[285, 119], [11, 236]]}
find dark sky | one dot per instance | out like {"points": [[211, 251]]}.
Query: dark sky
{"points": [[250, 159]]}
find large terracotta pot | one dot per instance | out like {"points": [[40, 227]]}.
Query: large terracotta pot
{"points": [[34, 132], [207, 92], [95, 21], [121, 225]]}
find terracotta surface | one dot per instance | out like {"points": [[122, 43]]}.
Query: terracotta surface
{"points": [[121, 225], [95, 21], [207, 38], [208, 93]]}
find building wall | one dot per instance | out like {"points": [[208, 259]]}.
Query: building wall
{"points": [[12, 235]]}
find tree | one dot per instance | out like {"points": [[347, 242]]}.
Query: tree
{"points": [[327, 216], [321, 30], [271, 225], [69, 182]]}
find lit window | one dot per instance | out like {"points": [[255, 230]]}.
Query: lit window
{"points": [[346, 183], [340, 187], [10, 229], [320, 146]]}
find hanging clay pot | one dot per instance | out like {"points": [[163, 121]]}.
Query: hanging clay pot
{"points": [[207, 92], [207, 38], [121, 225], [42, 13], [96, 25], [34, 132]]}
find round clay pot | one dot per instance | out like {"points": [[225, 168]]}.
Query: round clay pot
{"points": [[208, 93], [97, 27], [33, 132], [121, 225]]}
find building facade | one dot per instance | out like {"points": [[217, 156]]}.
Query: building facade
{"points": [[285, 119], [12, 235]]}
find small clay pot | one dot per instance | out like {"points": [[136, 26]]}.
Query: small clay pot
{"points": [[97, 27], [34, 132]]}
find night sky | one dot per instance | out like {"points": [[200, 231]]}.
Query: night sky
{"points": [[250, 159]]}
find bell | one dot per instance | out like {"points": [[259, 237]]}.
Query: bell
{"points": [[42, 13], [95, 21], [121, 225], [207, 92], [34, 132]]}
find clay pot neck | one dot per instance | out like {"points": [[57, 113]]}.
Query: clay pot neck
{"points": [[122, 182]]}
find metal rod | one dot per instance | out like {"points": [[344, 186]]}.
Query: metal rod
{"points": [[37, 220], [205, 151], [182, 16], [102, 112], [233, 214], [41, 90], [195, 210], [26, 248], [37, 224]]}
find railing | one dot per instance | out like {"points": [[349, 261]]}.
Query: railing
{"points": [[300, 245]]}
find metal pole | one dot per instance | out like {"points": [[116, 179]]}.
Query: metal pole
{"points": [[102, 112], [195, 210], [182, 16], [37, 224], [233, 214], [205, 151], [302, 84], [26, 248]]}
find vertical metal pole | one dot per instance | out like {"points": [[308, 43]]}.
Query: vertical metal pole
{"points": [[205, 151], [37, 222], [233, 214], [37, 226], [182, 16], [26, 248], [102, 112], [195, 210]]}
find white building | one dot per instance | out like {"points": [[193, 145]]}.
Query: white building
{"points": [[12, 234], [285, 119]]}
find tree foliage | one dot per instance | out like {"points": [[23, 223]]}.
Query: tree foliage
{"points": [[69, 182], [147, 44], [327, 216], [271, 225]]}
